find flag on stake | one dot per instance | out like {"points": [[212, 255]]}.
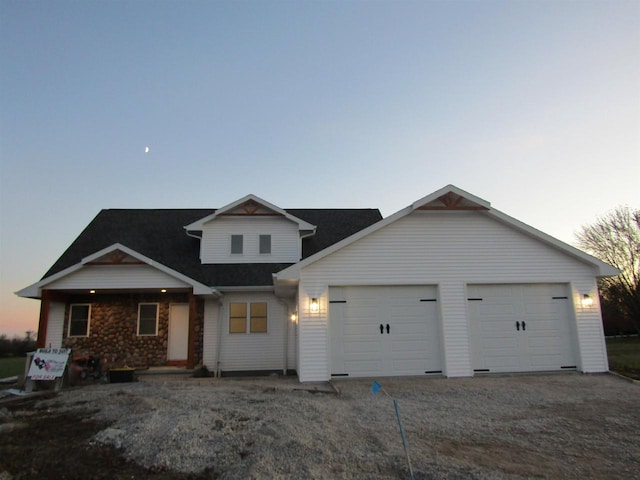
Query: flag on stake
{"points": [[375, 388]]}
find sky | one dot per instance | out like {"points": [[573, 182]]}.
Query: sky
{"points": [[533, 106]]}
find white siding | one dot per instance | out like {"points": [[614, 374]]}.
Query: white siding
{"points": [[210, 334], [215, 246], [116, 276], [248, 351], [55, 325], [451, 250]]}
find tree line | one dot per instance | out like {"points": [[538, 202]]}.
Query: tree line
{"points": [[17, 346], [615, 239]]}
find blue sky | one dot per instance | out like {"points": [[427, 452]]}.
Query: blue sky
{"points": [[531, 105]]}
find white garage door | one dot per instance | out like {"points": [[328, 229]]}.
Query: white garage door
{"points": [[384, 331], [520, 328]]}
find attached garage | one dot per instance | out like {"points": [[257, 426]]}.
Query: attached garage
{"points": [[464, 289], [521, 328], [384, 331]]}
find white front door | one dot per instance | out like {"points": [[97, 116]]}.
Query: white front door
{"points": [[55, 325], [178, 347], [520, 328], [384, 331]]}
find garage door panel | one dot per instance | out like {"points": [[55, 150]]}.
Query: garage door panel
{"points": [[406, 349], [520, 327]]}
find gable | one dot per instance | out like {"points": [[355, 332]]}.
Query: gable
{"points": [[453, 200]]}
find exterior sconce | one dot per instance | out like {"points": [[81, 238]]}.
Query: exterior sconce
{"points": [[586, 301], [314, 306], [294, 317]]}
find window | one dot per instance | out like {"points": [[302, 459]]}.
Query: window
{"points": [[248, 317], [265, 243], [79, 320], [258, 318], [148, 319], [238, 318], [236, 244]]}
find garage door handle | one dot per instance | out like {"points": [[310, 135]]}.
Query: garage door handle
{"points": [[381, 329], [524, 325], [388, 328], [518, 326]]}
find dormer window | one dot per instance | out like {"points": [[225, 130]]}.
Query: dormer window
{"points": [[236, 244], [265, 244]]}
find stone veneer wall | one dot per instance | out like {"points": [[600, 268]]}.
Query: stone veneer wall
{"points": [[113, 328]]}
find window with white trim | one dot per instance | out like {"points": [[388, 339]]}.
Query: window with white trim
{"points": [[248, 317], [79, 315], [265, 244], [148, 319], [236, 244]]}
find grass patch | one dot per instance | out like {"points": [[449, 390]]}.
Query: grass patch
{"points": [[624, 355], [10, 366]]}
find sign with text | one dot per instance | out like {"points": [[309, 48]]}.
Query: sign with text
{"points": [[48, 363]]}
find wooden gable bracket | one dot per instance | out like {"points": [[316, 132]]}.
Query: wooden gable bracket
{"points": [[251, 208], [451, 201], [117, 257]]}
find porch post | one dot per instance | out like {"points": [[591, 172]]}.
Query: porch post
{"points": [[193, 312], [45, 302]]}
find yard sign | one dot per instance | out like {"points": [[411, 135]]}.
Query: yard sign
{"points": [[48, 363]]}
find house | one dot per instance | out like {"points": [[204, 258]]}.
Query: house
{"points": [[446, 286]]}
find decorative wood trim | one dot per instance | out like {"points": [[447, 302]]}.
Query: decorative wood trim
{"points": [[451, 201], [193, 312], [177, 363], [43, 322]]}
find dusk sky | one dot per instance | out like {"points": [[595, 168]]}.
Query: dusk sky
{"points": [[533, 106]]}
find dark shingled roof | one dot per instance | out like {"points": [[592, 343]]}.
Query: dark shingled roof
{"points": [[160, 235]]}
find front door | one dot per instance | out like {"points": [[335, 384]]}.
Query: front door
{"points": [[178, 347]]}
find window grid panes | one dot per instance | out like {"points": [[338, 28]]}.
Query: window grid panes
{"points": [[79, 320], [248, 317], [238, 318], [148, 319], [258, 320]]}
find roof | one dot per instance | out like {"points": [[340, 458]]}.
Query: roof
{"points": [[450, 197], [159, 235]]}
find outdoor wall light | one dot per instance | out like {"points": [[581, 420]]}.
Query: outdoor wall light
{"points": [[294, 317], [586, 301], [314, 306]]}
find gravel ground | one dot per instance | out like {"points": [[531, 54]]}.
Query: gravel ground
{"points": [[528, 426]]}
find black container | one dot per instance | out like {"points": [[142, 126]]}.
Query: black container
{"points": [[121, 375]]}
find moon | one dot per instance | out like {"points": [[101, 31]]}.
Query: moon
{"points": [[147, 149]]}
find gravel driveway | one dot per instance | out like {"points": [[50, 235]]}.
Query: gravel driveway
{"points": [[544, 426]]}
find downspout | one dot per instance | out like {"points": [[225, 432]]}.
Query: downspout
{"points": [[286, 335], [219, 338]]}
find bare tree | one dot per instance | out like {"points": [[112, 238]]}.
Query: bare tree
{"points": [[615, 239]]}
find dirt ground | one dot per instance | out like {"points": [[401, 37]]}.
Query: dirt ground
{"points": [[528, 426]]}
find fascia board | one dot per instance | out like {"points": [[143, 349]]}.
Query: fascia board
{"points": [[604, 269]]}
